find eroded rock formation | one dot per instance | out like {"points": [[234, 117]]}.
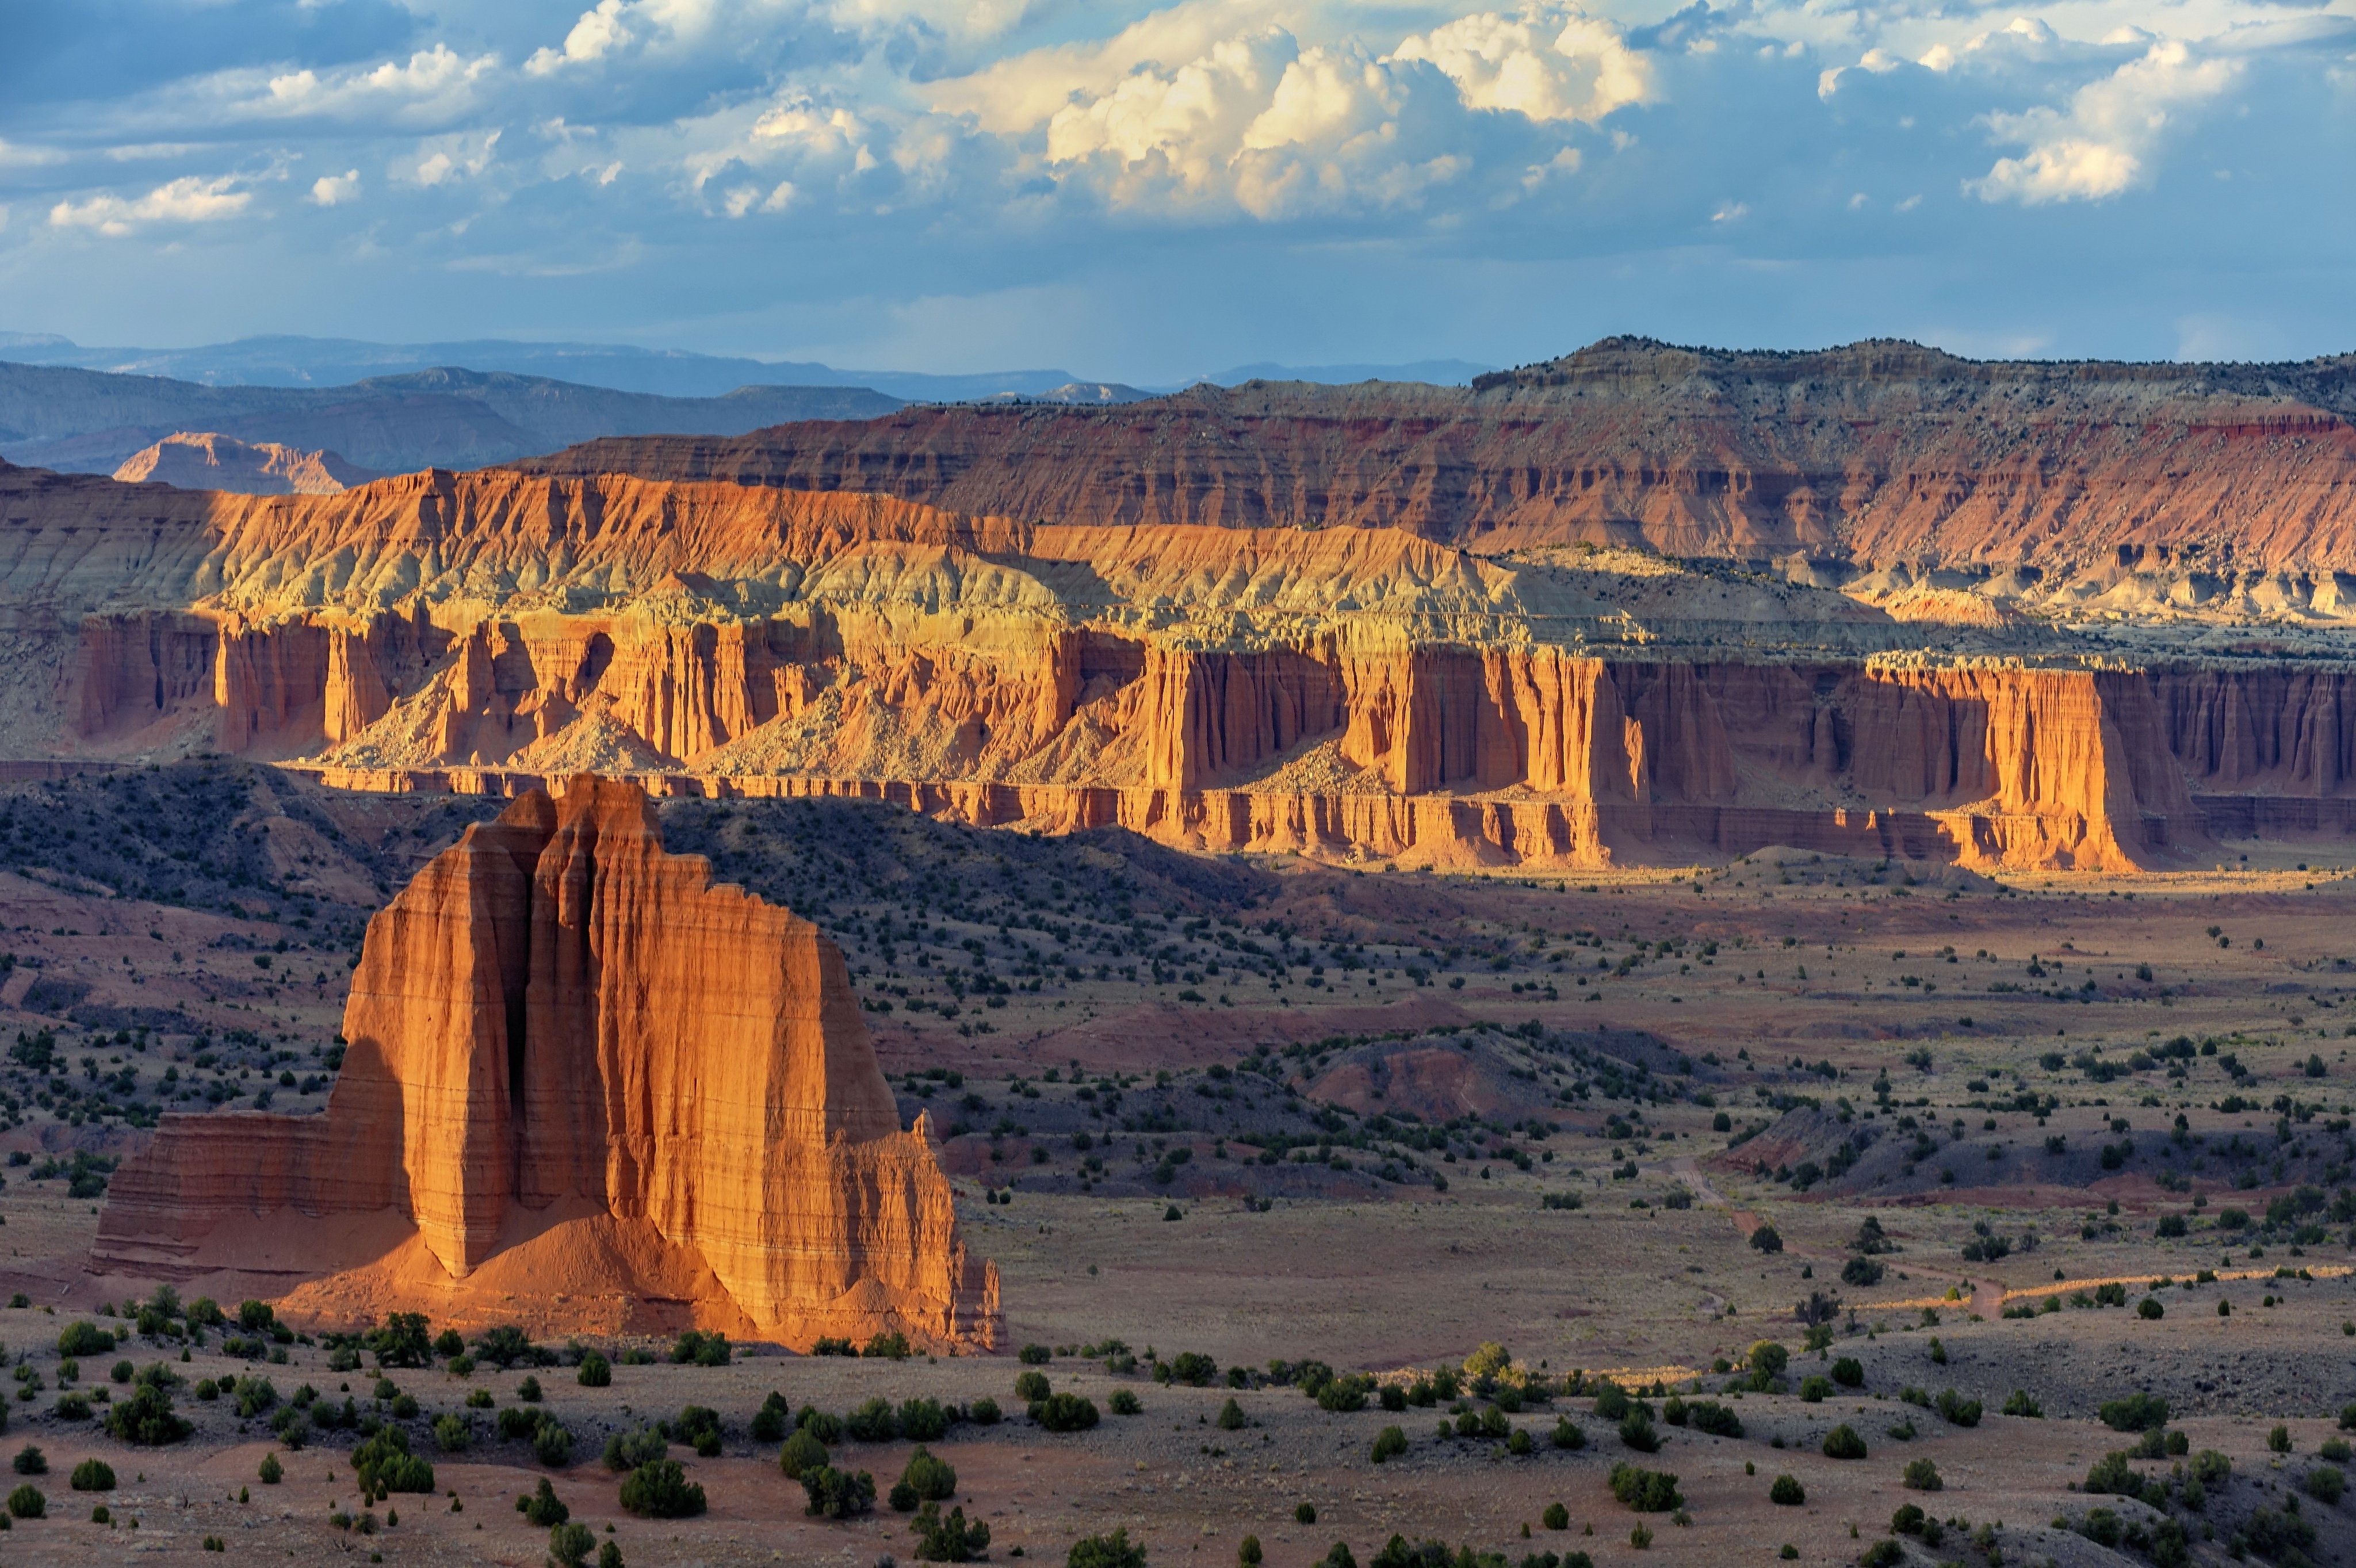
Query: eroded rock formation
{"points": [[1469, 672], [202, 460], [576, 1067]]}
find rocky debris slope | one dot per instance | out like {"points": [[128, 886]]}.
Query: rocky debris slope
{"points": [[2128, 487], [578, 1068], [201, 460]]}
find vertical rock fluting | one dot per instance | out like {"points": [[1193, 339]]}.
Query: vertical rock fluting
{"points": [[557, 1021]]}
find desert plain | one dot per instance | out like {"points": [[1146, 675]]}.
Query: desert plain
{"points": [[1672, 956]]}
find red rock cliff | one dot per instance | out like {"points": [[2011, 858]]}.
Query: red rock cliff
{"points": [[565, 1040]]}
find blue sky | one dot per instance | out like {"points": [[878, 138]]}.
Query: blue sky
{"points": [[1145, 192]]}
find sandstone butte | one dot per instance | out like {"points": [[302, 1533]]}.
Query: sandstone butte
{"points": [[1401, 623], [201, 460], [587, 1089]]}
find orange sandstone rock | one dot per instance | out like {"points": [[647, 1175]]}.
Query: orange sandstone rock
{"points": [[565, 1040]]}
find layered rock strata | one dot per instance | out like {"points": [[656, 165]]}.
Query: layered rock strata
{"points": [[564, 1041], [1352, 691]]}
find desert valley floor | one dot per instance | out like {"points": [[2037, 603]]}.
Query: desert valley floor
{"points": [[1235, 1129]]}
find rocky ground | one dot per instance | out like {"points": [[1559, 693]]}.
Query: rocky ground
{"points": [[1270, 1111]]}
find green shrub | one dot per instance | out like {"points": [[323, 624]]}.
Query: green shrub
{"points": [[889, 1346], [26, 1502], [31, 1461], [1957, 1409], [922, 1420], [1645, 1491], [1248, 1552], [98, 1475], [801, 1454], [769, 1423], [950, 1540], [1883, 1554], [1194, 1369], [146, 1418], [933, 1480], [271, 1472], [826, 1428], [569, 1546], [1029, 1386], [2021, 1404], [543, 1508], [661, 1491], [1611, 1400], [551, 1443], [1843, 1443], [2136, 1412], [1907, 1520], [698, 1348], [837, 1493], [872, 1422], [1391, 1440], [1567, 1435], [1717, 1419], [2325, 1484], [384, 1464], [1114, 1551], [80, 1339], [1816, 1390], [1922, 1476], [1636, 1432], [1123, 1402], [1787, 1492], [1064, 1412], [1848, 1372], [984, 1412], [627, 1451], [454, 1433], [1304, 1513], [1035, 1355], [1556, 1516]]}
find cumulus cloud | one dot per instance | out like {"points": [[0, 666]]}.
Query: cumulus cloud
{"points": [[1274, 125], [431, 84], [597, 34], [1545, 64], [334, 189], [440, 160], [189, 199], [2100, 145]]}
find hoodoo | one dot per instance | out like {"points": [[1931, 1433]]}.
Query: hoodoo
{"points": [[587, 1086]]}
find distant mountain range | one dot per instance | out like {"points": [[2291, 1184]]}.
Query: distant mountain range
{"points": [[292, 361], [91, 421]]}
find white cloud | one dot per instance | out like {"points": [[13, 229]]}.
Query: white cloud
{"points": [[440, 160], [333, 189], [16, 154], [1265, 122], [597, 34], [1545, 63], [2100, 146], [431, 84], [189, 199]]}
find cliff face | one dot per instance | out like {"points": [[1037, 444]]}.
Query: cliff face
{"points": [[563, 1039], [2196, 482], [1341, 691]]}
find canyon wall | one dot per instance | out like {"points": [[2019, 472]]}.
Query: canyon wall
{"points": [[1346, 692], [2160, 486], [565, 1040]]}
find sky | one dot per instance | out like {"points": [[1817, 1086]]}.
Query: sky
{"points": [[1145, 192]]}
